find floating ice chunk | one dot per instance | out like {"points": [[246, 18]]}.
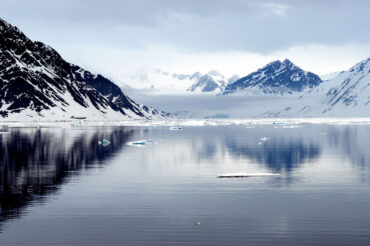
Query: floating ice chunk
{"points": [[323, 133], [4, 132], [259, 143], [175, 128], [106, 142], [245, 175], [264, 139], [100, 142], [139, 143], [197, 223]]}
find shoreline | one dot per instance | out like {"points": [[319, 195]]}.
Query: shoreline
{"points": [[279, 122]]}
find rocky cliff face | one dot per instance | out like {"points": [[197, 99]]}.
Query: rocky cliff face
{"points": [[36, 82]]}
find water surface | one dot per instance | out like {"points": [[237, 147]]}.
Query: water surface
{"points": [[59, 186]]}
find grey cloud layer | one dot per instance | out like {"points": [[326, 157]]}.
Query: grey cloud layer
{"points": [[193, 25]]}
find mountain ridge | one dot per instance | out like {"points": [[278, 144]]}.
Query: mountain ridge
{"points": [[37, 81], [275, 78]]}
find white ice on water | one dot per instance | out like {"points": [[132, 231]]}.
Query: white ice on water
{"points": [[245, 175], [175, 128], [179, 123], [139, 143]]}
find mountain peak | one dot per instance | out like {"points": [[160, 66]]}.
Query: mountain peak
{"points": [[287, 61], [362, 65], [35, 79], [213, 81], [277, 78], [5, 27], [4, 24]]}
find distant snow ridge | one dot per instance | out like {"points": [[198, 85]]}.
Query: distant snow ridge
{"points": [[329, 75], [37, 83], [275, 78], [213, 81], [345, 95], [349, 90]]}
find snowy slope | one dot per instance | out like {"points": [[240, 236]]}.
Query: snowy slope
{"points": [[276, 78], [347, 94], [213, 81], [329, 76], [36, 83]]}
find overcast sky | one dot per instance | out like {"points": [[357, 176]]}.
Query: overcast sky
{"points": [[119, 37]]}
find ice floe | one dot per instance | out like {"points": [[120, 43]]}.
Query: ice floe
{"points": [[264, 139], [139, 143], [105, 142], [245, 175], [175, 128]]}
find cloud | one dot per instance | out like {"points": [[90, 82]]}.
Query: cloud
{"points": [[278, 9], [119, 37], [192, 25]]}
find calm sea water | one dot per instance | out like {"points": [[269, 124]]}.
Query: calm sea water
{"points": [[61, 187]]}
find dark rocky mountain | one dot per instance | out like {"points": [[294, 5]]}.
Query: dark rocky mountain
{"points": [[36, 82], [275, 78]]}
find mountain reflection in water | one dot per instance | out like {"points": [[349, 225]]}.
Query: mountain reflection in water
{"points": [[36, 162], [154, 194]]}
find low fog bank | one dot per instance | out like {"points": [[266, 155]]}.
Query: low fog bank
{"points": [[212, 106]]}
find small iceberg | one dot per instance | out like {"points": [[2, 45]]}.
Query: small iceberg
{"points": [[139, 143], [264, 139], [175, 128], [104, 142], [245, 175]]}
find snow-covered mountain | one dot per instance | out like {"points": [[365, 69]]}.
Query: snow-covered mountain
{"points": [[213, 81], [329, 75], [275, 78], [157, 81], [37, 83], [347, 94]]}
